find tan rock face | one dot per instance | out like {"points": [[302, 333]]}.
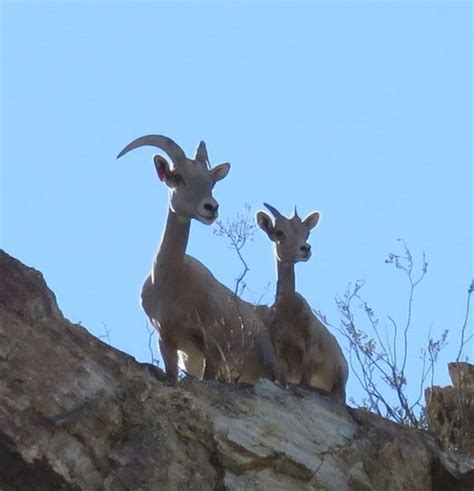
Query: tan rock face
{"points": [[78, 414], [450, 410]]}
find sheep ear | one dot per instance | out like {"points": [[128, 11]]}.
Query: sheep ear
{"points": [[220, 171], [162, 167], [265, 223], [312, 220], [170, 177]]}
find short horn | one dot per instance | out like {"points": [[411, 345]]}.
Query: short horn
{"points": [[164, 143], [201, 154], [295, 214], [273, 210]]}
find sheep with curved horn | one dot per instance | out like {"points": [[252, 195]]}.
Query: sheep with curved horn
{"points": [[164, 143], [306, 352], [203, 327]]}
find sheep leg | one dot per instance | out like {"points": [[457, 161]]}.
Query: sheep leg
{"points": [[169, 352], [267, 358], [339, 393], [339, 389], [282, 372], [210, 371], [306, 378]]}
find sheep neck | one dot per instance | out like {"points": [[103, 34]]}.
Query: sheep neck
{"points": [[170, 256], [286, 279]]}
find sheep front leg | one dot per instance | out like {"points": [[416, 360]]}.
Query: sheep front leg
{"points": [[169, 352], [210, 370], [267, 358]]}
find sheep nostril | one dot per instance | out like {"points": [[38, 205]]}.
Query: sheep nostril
{"points": [[305, 248], [212, 208]]}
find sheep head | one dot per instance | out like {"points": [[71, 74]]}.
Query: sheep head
{"points": [[190, 180], [290, 235]]}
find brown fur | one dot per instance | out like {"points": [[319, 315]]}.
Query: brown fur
{"points": [[203, 326], [214, 331], [306, 352]]}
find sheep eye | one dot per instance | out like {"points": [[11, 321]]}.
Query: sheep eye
{"points": [[279, 234]]}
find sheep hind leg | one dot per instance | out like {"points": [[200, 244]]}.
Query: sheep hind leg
{"points": [[338, 392], [314, 381]]}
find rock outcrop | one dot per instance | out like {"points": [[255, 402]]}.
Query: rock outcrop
{"points": [[76, 413], [450, 410]]}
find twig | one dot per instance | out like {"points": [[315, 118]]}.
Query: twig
{"points": [[239, 232], [379, 358], [466, 317], [151, 333], [106, 336]]}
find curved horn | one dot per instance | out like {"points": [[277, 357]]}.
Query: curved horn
{"points": [[164, 143], [201, 154], [273, 210]]}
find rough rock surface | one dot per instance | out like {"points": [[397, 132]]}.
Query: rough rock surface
{"points": [[450, 410], [78, 414]]}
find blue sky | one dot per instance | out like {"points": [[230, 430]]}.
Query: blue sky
{"points": [[361, 110]]}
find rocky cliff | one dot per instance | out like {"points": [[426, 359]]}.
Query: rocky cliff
{"points": [[78, 414], [450, 410]]}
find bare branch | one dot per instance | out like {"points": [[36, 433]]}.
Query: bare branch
{"points": [[239, 231], [375, 361], [406, 264], [151, 333], [466, 317], [106, 335]]}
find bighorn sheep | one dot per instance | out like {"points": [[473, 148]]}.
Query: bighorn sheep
{"points": [[203, 327], [307, 353]]}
